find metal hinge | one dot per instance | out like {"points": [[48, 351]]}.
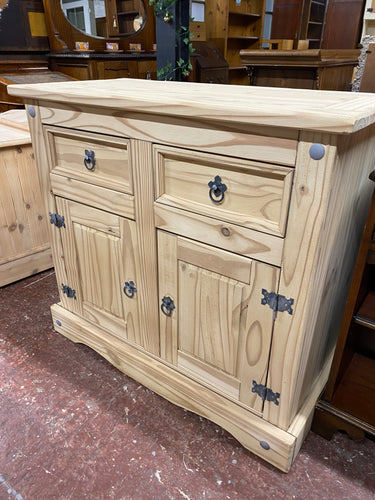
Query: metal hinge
{"points": [[277, 302], [265, 393], [69, 292], [56, 219]]}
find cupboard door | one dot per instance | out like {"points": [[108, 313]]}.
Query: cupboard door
{"points": [[213, 324], [100, 267]]}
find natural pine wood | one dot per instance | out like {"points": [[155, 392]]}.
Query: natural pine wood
{"points": [[111, 168], [24, 241], [219, 331], [257, 195], [292, 108], [221, 341], [183, 391]]}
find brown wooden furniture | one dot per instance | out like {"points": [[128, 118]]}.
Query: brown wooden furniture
{"points": [[101, 65], [24, 241], [209, 65], [63, 35], [348, 400], [204, 236], [308, 69], [327, 25], [24, 74], [233, 26], [97, 63]]}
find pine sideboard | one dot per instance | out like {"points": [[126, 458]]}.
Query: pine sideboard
{"points": [[204, 238]]}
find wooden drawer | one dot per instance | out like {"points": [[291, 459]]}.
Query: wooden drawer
{"points": [[248, 193], [96, 159]]}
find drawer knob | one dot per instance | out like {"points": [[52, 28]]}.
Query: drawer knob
{"points": [[217, 190], [129, 289], [167, 306], [89, 160]]}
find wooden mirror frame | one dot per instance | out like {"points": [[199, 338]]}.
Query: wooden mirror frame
{"points": [[62, 35]]}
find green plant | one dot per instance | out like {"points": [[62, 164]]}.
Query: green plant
{"points": [[183, 35]]}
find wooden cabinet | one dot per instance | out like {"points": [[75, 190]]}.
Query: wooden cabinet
{"points": [[204, 239], [24, 242], [97, 66], [123, 16], [312, 24], [304, 69], [368, 26], [325, 25], [234, 25]]}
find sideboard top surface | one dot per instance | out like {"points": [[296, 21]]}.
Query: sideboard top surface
{"points": [[336, 112]]}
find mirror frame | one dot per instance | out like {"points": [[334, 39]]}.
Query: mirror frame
{"points": [[62, 34]]}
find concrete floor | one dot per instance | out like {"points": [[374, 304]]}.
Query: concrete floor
{"points": [[73, 427]]}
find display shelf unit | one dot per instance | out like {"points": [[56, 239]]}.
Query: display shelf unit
{"points": [[368, 26], [234, 26], [121, 15], [313, 30]]}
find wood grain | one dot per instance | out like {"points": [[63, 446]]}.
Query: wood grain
{"points": [[146, 251], [237, 239], [256, 196], [325, 215], [240, 140], [247, 428], [23, 228], [111, 170], [295, 108], [219, 326]]}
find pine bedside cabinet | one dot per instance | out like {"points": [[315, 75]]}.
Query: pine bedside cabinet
{"points": [[24, 241], [204, 238]]}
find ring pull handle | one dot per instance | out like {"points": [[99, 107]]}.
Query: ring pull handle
{"points": [[89, 159], [129, 289], [167, 306], [217, 190]]}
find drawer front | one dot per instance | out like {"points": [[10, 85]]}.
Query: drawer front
{"points": [[92, 158], [248, 193]]}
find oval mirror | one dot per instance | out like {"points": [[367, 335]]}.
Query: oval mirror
{"points": [[105, 18]]}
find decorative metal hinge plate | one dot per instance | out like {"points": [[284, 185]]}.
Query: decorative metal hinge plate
{"points": [[69, 292], [277, 302], [56, 219], [265, 393]]}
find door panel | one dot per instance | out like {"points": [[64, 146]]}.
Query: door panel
{"points": [[218, 332], [99, 249]]}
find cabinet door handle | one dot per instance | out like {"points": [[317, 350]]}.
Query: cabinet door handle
{"points": [[167, 306], [129, 289], [89, 159], [217, 189]]}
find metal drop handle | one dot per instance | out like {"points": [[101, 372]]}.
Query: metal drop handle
{"points": [[129, 289], [89, 160], [217, 189], [167, 306]]}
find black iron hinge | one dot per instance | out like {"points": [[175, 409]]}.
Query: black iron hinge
{"points": [[69, 292], [265, 393], [57, 220], [277, 302]]}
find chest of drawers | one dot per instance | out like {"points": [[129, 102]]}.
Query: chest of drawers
{"points": [[204, 238]]}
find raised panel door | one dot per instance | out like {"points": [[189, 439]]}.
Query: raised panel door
{"points": [[213, 324], [100, 267]]}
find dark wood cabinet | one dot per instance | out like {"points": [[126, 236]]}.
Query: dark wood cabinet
{"points": [[325, 24]]}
